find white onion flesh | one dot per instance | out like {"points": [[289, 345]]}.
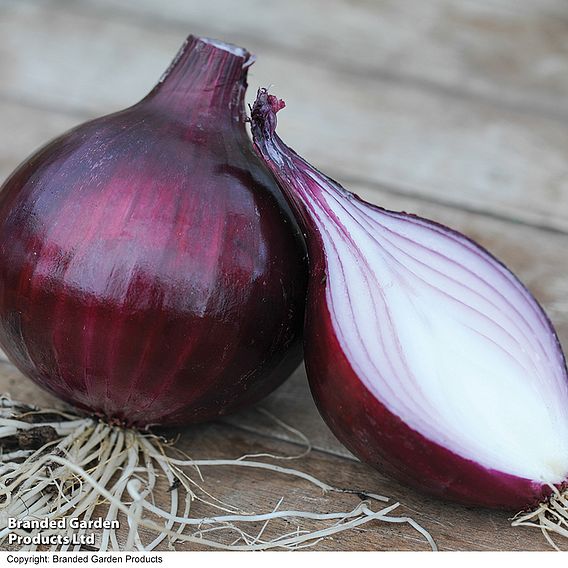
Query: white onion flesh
{"points": [[443, 335]]}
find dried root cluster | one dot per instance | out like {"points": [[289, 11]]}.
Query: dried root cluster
{"points": [[55, 465], [551, 516]]}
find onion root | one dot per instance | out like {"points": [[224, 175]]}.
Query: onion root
{"points": [[86, 468], [551, 516]]}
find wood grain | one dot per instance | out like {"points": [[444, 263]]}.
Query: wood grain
{"points": [[503, 51], [24, 129]]}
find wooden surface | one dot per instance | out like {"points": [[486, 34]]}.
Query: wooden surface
{"points": [[452, 109]]}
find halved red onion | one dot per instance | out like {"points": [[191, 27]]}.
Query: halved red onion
{"points": [[426, 356]]}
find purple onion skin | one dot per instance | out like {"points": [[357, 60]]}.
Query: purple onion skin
{"points": [[151, 272], [357, 418]]}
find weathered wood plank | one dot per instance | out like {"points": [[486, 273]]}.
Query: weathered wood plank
{"points": [[24, 129], [293, 404], [452, 526], [556, 9], [457, 151], [505, 51]]}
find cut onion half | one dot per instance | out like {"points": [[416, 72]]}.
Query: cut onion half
{"points": [[426, 356]]}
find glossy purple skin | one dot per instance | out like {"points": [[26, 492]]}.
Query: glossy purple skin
{"points": [[353, 413], [150, 270]]}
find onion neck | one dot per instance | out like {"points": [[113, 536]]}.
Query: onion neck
{"points": [[205, 82], [303, 185]]}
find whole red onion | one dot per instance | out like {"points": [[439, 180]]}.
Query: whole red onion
{"points": [[150, 271]]}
